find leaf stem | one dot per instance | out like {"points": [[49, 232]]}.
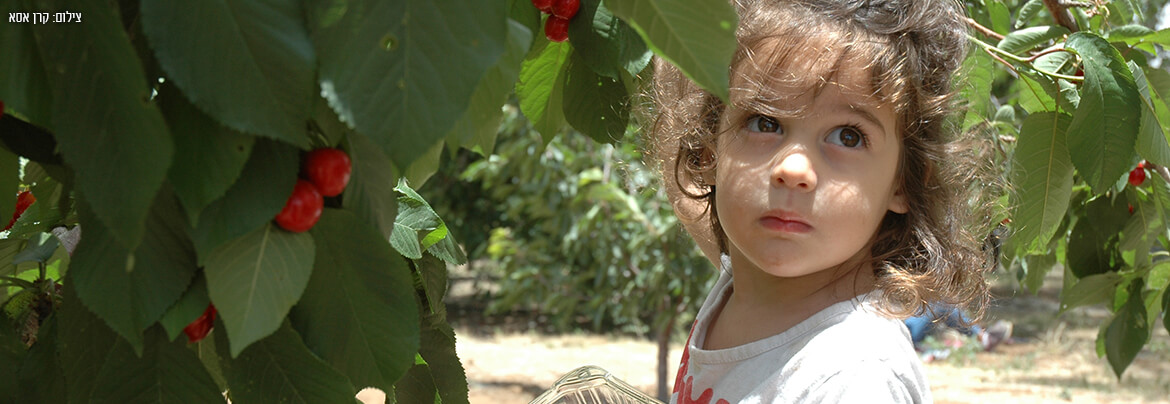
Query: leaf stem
{"points": [[17, 281], [1026, 61]]}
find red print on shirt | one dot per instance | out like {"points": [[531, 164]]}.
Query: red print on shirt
{"points": [[684, 389]]}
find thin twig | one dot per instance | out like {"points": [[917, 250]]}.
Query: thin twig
{"points": [[1004, 62], [1046, 52], [983, 30]]}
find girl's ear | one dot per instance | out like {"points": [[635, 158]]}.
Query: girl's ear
{"points": [[898, 203]]}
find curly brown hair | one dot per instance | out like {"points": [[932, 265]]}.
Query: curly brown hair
{"points": [[912, 49]]}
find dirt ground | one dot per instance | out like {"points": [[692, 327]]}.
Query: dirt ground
{"points": [[1051, 359]]}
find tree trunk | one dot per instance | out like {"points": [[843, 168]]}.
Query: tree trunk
{"points": [[664, 348]]}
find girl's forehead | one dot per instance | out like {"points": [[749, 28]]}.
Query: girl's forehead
{"points": [[780, 70]]}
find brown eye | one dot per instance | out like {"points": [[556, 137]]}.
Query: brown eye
{"points": [[761, 123], [847, 136]]}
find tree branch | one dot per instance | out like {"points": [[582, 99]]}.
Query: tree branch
{"points": [[1059, 11]]}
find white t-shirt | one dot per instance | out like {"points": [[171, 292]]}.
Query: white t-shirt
{"points": [[846, 353]]}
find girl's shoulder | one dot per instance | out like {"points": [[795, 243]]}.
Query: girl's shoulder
{"points": [[865, 351], [854, 330]]}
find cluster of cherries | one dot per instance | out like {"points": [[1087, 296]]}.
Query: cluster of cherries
{"points": [[325, 173], [556, 28]]}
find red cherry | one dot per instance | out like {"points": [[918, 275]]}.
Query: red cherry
{"points": [[1137, 177], [23, 201], [566, 8], [1, 108], [201, 326], [328, 170], [556, 29], [303, 208], [1131, 209], [545, 6]]}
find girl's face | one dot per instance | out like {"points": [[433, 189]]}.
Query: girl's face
{"points": [[800, 195]]}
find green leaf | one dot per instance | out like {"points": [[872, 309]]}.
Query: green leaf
{"points": [[424, 166], [213, 155], [370, 193], [100, 367], [540, 87], [438, 349], [1141, 231], [358, 312], [258, 195], [433, 274], [255, 279], [281, 369], [1000, 17], [1041, 166], [415, 217], [1154, 85], [1037, 266], [477, 128], [595, 105], [114, 139], [1107, 214], [167, 372], [209, 355], [610, 44], [1128, 331], [1166, 310], [1031, 37], [25, 88], [12, 354], [41, 379], [39, 249], [1127, 32], [381, 64], [1090, 251], [1151, 141], [447, 249], [189, 307], [1090, 290], [130, 291], [53, 201], [526, 14], [417, 386], [698, 36], [1033, 95], [248, 64], [1104, 128], [975, 87], [1030, 9]]}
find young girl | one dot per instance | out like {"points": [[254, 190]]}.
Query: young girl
{"points": [[833, 194]]}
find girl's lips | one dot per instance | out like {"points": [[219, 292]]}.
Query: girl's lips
{"points": [[784, 225]]}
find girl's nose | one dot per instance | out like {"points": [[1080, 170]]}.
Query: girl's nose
{"points": [[795, 171]]}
